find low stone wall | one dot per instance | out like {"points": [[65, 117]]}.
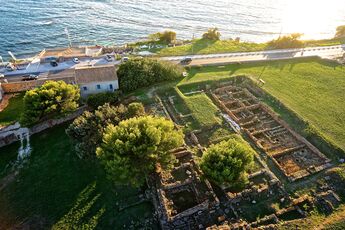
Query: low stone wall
{"points": [[8, 134]]}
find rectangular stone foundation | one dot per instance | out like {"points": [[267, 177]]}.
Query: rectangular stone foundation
{"points": [[292, 153]]}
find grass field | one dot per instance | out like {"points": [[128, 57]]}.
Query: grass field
{"points": [[201, 46], [56, 190], [202, 108], [13, 111], [312, 88]]}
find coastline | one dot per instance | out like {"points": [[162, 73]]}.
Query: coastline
{"points": [[188, 47]]}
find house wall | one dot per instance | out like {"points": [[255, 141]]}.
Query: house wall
{"points": [[91, 88]]}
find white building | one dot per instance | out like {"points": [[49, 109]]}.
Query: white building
{"points": [[97, 79]]}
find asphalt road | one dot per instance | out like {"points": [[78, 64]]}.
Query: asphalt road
{"points": [[226, 58], [208, 59]]}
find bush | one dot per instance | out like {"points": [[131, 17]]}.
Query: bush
{"points": [[212, 34], [53, 98], [340, 32], [167, 36], [285, 42], [87, 130], [227, 162], [96, 100], [137, 73]]}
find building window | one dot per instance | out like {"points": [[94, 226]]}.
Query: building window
{"points": [[84, 88], [98, 86], [111, 86]]}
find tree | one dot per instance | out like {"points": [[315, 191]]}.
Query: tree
{"points": [[167, 36], [137, 73], [53, 98], [87, 130], [133, 149], [212, 34], [340, 32], [227, 162], [99, 99], [288, 41]]}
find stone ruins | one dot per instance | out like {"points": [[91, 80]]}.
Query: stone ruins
{"points": [[182, 197], [293, 154]]}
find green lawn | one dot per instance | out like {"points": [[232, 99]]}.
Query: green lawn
{"points": [[201, 46], [312, 88], [202, 108], [60, 191], [13, 111]]}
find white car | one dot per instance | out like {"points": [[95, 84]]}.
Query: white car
{"points": [[125, 59], [2, 76], [76, 60]]}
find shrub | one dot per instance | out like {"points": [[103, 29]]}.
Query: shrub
{"points": [[96, 100], [227, 162], [137, 73], [285, 42], [212, 34], [167, 36], [87, 130], [53, 98], [340, 32]]}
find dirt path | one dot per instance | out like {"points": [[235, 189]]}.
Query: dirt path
{"points": [[5, 100]]}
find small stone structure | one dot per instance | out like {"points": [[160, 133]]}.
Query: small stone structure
{"points": [[292, 153], [182, 198]]}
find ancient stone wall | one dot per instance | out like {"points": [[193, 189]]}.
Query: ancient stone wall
{"points": [[8, 134]]}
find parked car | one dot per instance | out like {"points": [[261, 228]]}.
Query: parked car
{"points": [[29, 77], [186, 61], [2, 76], [76, 60], [10, 67], [54, 63], [109, 58]]}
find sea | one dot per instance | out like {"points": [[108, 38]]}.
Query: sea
{"points": [[28, 26]]}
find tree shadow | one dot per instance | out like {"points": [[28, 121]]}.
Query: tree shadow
{"points": [[81, 215], [199, 45]]}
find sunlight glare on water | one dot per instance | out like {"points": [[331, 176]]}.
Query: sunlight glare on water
{"points": [[314, 18]]}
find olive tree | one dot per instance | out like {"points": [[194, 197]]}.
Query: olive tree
{"points": [[133, 149]]}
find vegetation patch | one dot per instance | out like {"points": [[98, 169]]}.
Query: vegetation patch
{"points": [[57, 189], [13, 110], [202, 108], [206, 46], [313, 89]]}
